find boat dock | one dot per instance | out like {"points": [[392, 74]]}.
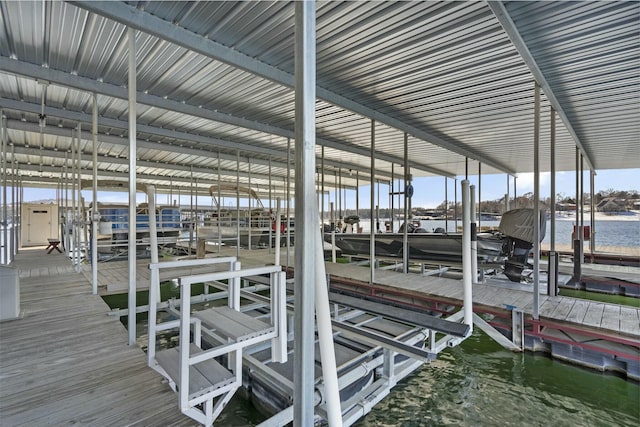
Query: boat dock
{"points": [[607, 336], [67, 362]]}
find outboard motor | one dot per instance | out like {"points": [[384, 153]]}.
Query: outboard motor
{"points": [[517, 225], [411, 228]]}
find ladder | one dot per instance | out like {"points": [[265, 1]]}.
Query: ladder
{"points": [[203, 384]]}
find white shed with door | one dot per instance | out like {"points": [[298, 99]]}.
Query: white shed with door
{"points": [[39, 223]]}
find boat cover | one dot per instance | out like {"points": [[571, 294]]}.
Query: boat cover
{"points": [[518, 223]]}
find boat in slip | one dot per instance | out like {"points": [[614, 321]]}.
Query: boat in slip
{"points": [[250, 227], [113, 228], [508, 248]]}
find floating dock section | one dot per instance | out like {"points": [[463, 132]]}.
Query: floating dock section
{"points": [[67, 362]]}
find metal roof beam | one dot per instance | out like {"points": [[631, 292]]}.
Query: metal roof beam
{"points": [[92, 86], [330, 180], [11, 104], [143, 21], [500, 11], [144, 178]]}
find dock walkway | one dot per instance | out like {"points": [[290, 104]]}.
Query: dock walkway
{"points": [[67, 362], [619, 319]]}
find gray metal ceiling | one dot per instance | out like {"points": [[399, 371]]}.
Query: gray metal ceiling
{"points": [[458, 77]]}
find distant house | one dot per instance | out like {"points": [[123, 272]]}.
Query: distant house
{"points": [[566, 207], [611, 204]]}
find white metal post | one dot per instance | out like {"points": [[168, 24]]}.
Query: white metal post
{"points": [[552, 281], [592, 212], [154, 298], [466, 256], [536, 204], [5, 223], [14, 208], [278, 234], [184, 341], [79, 218], [372, 234], [405, 235], [131, 34], [271, 213], [153, 227], [288, 206], [95, 213], [234, 288], [474, 241], [305, 214], [325, 337]]}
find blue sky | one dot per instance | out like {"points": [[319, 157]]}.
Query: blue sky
{"points": [[429, 192]]}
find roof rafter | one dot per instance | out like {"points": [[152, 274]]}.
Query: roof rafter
{"points": [[500, 11], [11, 104], [143, 21], [92, 86]]}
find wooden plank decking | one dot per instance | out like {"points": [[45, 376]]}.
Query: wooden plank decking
{"points": [[67, 362]]}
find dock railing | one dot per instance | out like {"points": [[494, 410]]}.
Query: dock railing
{"points": [[193, 371]]}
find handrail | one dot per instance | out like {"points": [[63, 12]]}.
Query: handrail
{"points": [[154, 294], [222, 275]]}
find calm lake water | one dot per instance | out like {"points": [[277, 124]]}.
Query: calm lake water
{"points": [[480, 384]]}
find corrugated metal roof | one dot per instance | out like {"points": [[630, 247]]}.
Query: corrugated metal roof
{"points": [[445, 72]]}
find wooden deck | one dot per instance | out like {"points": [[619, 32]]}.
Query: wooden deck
{"points": [[67, 362], [614, 318], [113, 276]]}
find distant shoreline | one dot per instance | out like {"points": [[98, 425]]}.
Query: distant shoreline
{"points": [[601, 216]]}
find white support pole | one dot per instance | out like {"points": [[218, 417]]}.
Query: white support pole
{"points": [[65, 204], [14, 208], [250, 217], [325, 338], [271, 242], [507, 202], [446, 204], [238, 203], [79, 218], [405, 235], [277, 225], [95, 213], [131, 35], [372, 232], [322, 195], [536, 203], [73, 198], [592, 212], [153, 227], [552, 281], [333, 234], [305, 214], [219, 208], [288, 205], [466, 256], [474, 239], [5, 223]]}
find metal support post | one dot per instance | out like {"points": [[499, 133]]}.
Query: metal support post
{"points": [[407, 183], [306, 233], [536, 203], [517, 327], [372, 234], [552, 274], [474, 238], [131, 34], [95, 213], [466, 256]]}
